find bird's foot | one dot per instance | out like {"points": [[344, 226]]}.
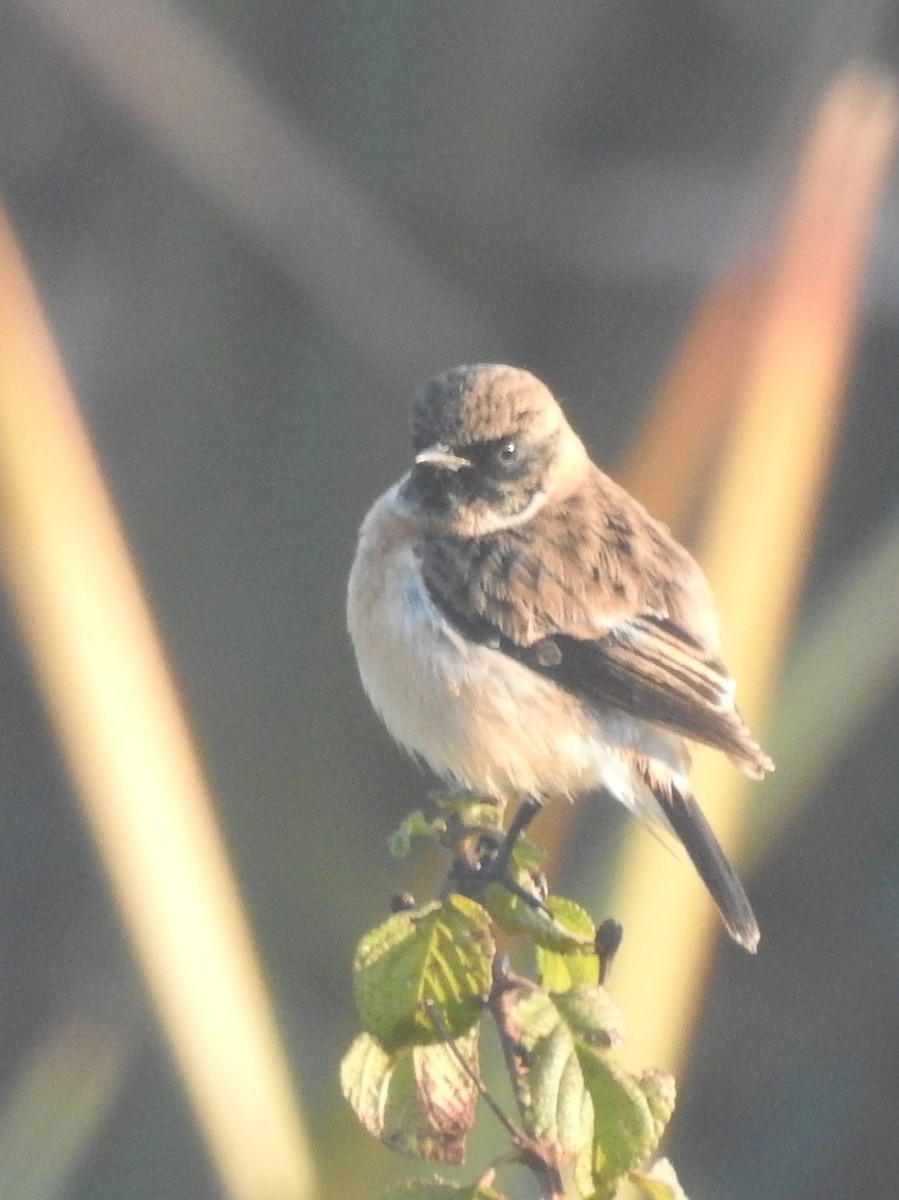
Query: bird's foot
{"points": [[489, 858]]}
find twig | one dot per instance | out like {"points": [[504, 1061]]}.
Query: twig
{"points": [[516, 1134]]}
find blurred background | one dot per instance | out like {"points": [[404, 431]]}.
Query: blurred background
{"points": [[255, 229]]}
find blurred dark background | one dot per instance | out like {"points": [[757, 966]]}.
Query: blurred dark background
{"points": [[245, 310]]}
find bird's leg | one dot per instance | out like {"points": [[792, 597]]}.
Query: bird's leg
{"points": [[497, 868], [524, 815], [487, 858]]}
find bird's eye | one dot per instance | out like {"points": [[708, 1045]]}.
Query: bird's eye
{"points": [[506, 453]]}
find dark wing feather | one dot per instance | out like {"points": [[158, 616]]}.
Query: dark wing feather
{"points": [[542, 610], [687, 820], [643, 674], [652, 669]]}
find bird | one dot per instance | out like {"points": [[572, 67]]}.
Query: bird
{"points": [[524, 627]]}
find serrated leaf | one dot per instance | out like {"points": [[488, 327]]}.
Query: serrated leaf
{"points": [[446, 1077], [566, 927], [554, 1105], [593, 1018], [364, 1077], [439, 954], [583, 1183], [659, 1183], [439, 1189], [415, 825], [510, 912], [625, 1131], [527, 857], [565, 954], [569, 929], [472, 812], [420, 1100], [560, 970], [660, 1091], [431, 1101]]}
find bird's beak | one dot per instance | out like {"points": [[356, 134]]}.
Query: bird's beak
{"points": [[439, 456]]}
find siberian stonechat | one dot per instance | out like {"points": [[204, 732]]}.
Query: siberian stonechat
{"points": [[526, 628]]}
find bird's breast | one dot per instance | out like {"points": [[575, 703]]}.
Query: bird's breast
{"points": [[476, 716]]}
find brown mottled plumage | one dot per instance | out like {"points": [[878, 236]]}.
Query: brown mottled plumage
{"points": [[525, 626]]}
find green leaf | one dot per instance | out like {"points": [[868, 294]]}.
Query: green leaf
{"points": [[364, 1076], [560, 971], [565, 954], [569, 929], [659, 1089], [419, 1100], [439, 1189], [473, 812], [439, 954], [415, 825], [593, 1018], [509, 911], [626, 1130], [566, 928], [554, 1105], [431, 1101], [659, 1183], [527, 857]]}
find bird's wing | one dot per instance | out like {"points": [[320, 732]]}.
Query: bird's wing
{"points": [[575, 603]]}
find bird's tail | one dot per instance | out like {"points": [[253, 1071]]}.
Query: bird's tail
{"points": [[688, 822]]}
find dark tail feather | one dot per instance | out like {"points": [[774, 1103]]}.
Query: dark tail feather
{"points": [[688, 822]]}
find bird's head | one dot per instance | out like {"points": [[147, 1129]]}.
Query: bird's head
{"points": [[491, 446]]}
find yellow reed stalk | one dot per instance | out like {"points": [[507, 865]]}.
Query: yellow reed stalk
{"points": [[694, 407], [759, 531], [56, 1104], [122, 732]]}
